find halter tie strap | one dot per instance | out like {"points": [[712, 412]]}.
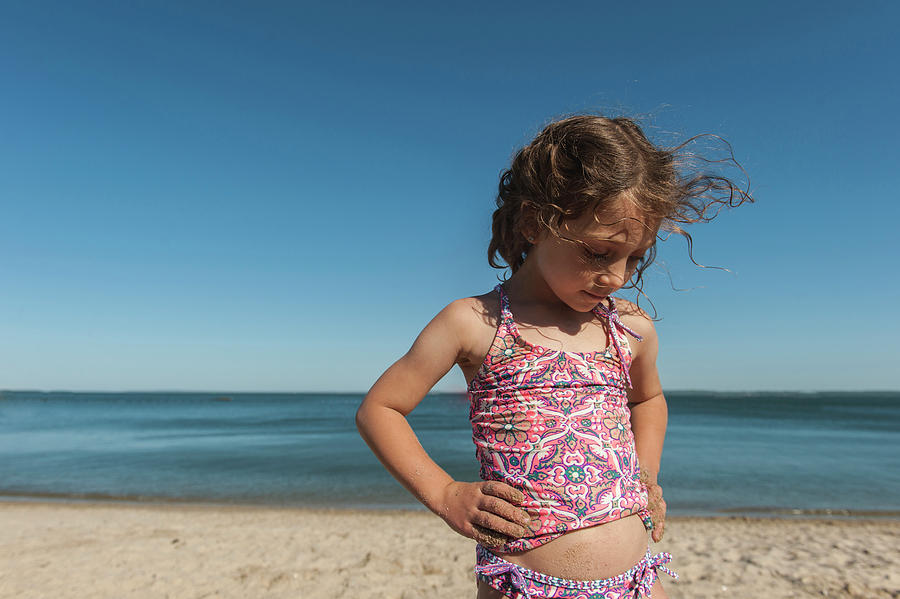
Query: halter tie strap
{"points": [[612, 317]]}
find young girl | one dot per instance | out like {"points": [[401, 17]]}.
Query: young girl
{"points": [[567, 412]]}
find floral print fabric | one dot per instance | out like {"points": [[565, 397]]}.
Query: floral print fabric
{"points": [[556, 425], [521, 583]]}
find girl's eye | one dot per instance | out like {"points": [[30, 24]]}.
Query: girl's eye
{"points": [[596, 257], [603, 258]]}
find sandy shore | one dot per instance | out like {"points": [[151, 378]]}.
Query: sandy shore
{"points": [[100, 550]]}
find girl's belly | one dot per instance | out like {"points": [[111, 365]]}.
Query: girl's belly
{"points": [[589, 553]]}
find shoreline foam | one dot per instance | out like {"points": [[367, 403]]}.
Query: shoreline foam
{"points": [[769, 512], [7, 496]]}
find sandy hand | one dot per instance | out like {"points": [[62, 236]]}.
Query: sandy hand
{"points": [[485, 511], [657, 506]]}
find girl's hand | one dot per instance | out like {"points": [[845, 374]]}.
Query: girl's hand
{"points": [[485, 511], [657, 507]]}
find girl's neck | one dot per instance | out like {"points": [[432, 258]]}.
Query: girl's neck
{"points": [[527, 286], [535, 305]]}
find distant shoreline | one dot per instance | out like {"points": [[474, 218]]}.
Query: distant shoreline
{"points": [[226, 393], [786, 513]]}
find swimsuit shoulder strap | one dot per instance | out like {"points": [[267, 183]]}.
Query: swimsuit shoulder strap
{"points": [[507, 322], [506, 316], [611, 314], [617, 330]]}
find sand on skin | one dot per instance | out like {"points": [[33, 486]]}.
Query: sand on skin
{"points": [[98, 550]]}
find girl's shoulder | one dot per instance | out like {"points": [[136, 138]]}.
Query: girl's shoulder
{"points": [[474, 312], [473, 321]]}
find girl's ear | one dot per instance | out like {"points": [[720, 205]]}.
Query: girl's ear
{"points": [[528, 223], [530, 234]]}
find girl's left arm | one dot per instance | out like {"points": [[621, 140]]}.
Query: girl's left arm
{"points": [[649, 415]]}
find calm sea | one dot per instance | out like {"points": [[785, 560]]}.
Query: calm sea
{"points": [[750, 453]]}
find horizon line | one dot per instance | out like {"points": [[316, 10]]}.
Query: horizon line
{"points": [[433, 392]]}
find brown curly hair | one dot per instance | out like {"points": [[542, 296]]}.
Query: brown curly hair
{"points": [[583, 162]]}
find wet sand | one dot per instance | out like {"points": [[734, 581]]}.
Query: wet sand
{"points": [[100, 550]]}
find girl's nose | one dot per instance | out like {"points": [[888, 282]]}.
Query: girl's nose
{"points": [[614, 275]]}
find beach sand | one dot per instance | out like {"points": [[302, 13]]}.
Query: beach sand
{"points": [[99, 550]]}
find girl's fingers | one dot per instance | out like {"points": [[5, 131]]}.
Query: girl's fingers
{"points": [[497, 524], [659, 519], [510, 495], [503, 491], [506, 510], [487, 537], [658, 531]]}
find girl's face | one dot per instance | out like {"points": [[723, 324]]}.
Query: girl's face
{"points": [[595, 254]]}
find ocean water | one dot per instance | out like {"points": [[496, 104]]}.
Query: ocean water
{"points": [[750, 453]]}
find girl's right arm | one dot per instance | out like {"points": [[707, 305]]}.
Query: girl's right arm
{"points": [[484, 511]]}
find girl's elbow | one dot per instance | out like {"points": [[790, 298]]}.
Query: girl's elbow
{"points": [[376, 412], [366, 414], [362, 418]]}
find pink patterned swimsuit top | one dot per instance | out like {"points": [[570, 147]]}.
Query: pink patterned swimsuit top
{"points": [[556, 425]]}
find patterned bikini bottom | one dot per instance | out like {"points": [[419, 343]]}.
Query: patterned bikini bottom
{"points": [[521, 583]]}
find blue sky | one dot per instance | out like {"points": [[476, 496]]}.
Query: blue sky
{"points": [[278, 196]]}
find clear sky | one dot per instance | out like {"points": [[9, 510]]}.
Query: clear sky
{"points": [[277, 196]]}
